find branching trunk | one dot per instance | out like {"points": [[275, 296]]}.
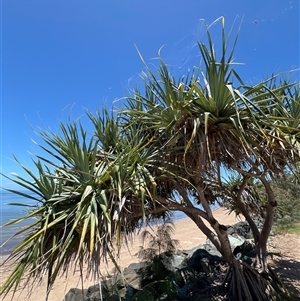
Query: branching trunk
{"points": [[220, 230], [242, 282], [246, 214], [261, 247]]}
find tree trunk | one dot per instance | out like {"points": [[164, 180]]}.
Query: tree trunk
{"points": [[242, 281]]}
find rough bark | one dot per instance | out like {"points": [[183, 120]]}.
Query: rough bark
{"points": [[261, 246]]}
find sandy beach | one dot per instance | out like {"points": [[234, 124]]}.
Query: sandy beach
{"points": [[186, 232]]}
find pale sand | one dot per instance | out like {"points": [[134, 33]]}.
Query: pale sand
{"points": [[186, 232]]}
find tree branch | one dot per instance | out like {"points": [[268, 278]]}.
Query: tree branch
{"points": [[205, 204], [244, 211], [265, 232], [180, 207], [187, 201]]}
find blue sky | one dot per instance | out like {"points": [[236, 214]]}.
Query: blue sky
{"points": [[59, 57]]}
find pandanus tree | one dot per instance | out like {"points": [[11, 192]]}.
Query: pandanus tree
{"points": [[169, 149], [214, 124]]}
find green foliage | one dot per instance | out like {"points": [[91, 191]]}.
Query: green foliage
{"points": [[252, 197], [158, 282], [158, 277], [166, 150], [86, 197], [284, 227], [287, 192], [158, 242], [112, 288]]}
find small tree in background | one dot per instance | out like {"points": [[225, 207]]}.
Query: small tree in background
{"points": [[157, 254], [167, 150], [158, 242]]}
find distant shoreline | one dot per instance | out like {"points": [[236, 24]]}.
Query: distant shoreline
{"points": [[178, 215], [10, 212]]}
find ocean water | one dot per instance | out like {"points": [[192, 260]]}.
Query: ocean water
{"points": [[8, 213]]}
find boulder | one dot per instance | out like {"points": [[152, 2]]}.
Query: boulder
{"points": [[234, 242], [245, 252], [132, 275], [133, 279], [178, 259], [202, 261], [113, 287], [93, 293], [75, 294], [133, 267], [211, 249], [241, 229]]}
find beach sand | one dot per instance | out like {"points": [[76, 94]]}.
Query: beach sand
{"points": [[186, 232]]}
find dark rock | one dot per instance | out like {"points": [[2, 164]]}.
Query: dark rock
{"points": [[133, 267], [241, 229], [133, 279], [113, 287], [93, 293], [235, 241], [245, 252], [202, 261], [190, 270], [183, 292], [211, 249], [230, 230], [75, 294], [132, 275]]}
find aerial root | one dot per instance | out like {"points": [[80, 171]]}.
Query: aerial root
{"points": [[245, 283]]}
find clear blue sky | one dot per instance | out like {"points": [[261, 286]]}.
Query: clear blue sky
{"points": [[59, 57]]}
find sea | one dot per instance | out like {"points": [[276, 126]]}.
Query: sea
{"points": [[8, 212], [8, 240]]}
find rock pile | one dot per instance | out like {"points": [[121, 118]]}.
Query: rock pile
{"points": [[192, 272]]}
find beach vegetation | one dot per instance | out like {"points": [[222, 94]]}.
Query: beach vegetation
{"points": [[158, 277], [173, 146], [287, 191], [158, 242]]}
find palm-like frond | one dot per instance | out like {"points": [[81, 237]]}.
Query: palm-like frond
{"points": [[252, 196], [158, 242], [87, 201], [207, 122]]}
